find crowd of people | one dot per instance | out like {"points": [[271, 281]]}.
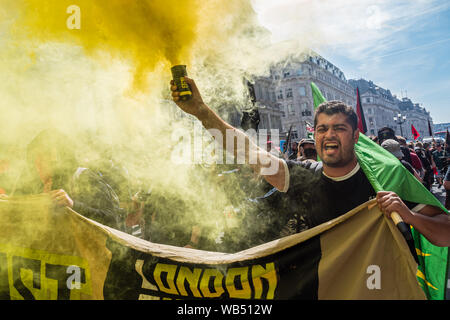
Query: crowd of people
{"points": [[428, 162], [265, 206], [316, 192]]}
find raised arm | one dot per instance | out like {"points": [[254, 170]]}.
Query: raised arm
{"points": [[261, 161]]}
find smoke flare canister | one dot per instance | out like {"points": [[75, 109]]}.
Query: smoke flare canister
{"points": [[178, 74]]}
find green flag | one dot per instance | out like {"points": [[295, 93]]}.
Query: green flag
{"points": [[386, 173], [317, 95]]}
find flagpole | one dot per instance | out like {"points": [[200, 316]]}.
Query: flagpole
{"points": [[405, 230]]}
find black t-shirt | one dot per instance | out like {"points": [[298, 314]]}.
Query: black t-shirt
{"points": [[406, 154], [320, 198]]}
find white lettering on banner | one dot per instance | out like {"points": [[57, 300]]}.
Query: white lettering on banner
{"points": [[374, 280], [73, 281]]}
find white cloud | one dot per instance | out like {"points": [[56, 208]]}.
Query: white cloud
{"points": [[359, 28]]}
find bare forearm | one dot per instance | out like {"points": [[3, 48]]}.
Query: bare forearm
{"points": [[244, 150], [435, 228]]}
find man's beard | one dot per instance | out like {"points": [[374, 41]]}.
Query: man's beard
{"points": [[341, 161]]}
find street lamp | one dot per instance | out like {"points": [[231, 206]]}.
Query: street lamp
{"points": [[400, 119]]}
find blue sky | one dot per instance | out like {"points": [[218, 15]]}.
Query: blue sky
{"points": [[400, 45]]}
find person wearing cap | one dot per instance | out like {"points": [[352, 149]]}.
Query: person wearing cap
{"points": [[321, 191], [404, 148], [386, 133], [394, 147], [307, 150]]}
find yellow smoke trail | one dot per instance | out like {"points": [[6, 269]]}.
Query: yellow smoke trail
{"points": [[79, 80], [142, 32]]}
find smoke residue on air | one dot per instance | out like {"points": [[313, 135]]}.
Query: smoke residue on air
{"points": [[106, 87]]}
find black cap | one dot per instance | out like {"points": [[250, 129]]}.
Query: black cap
{"points": [[385, 134]]}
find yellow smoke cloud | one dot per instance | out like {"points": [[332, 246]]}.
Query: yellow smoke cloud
{"points": [[141, 32], [110, 78]]}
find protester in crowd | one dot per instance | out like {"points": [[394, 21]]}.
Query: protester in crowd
{"points": [[433, 146], [394, 147], [426, 164], [307, 150], [337, 178], [415, 161], [53, 169], [166, 220], [404, 149], [374, 139], [438, 157], [294, 151], [386, 133], [428, 152]]}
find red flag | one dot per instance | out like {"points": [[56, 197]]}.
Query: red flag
{"points": [[414, 132], [435, 171], [359, 111]]}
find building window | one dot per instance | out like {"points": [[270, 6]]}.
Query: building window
{"points": [[280, 95], [294, 135], [276, 123], [302, 91], [291, 110], [272, 94], [286, 74], [289, 93], [305, 111]]}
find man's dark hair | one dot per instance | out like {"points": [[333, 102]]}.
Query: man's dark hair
{"points": [[333, 107], [401, 140], [386, 133]]}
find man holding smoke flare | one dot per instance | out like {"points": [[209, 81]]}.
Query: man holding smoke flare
{"points": [[338, 178]]}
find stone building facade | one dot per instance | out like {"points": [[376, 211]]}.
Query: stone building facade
{"points": [[383, 109], [285, 97]]}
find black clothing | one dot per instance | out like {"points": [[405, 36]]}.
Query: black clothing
{"points": [[324, 198], [406, 154], [92, 196], [438, 156], [293, 155], [408, 166], [425, 158], [95, 199]]}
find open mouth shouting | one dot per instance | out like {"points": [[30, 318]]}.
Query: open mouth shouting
{"points": [[330, 148]]}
